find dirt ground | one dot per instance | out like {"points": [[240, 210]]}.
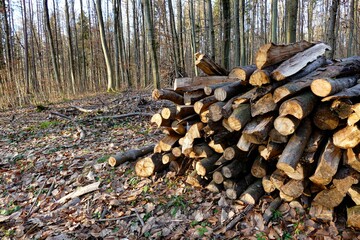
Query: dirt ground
{"points": [[53, 150]]}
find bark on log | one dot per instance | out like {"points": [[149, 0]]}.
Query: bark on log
{"points": [[278, 178], [233, 152], [168, 142], [192, 97], [208, 66], [268, 214], [312, 147], [354, 193], [294, 148], [178, 127], [168, 157], [286, 125], [228, 91], [235, 168], [294, 64], [253, 193], [270, 54], [294, 188], [327, 165], [257, 130], [259, 168], [214, 187], [183, 111], [346, 93], [130, 155], [202, 151], [196, 83], [263, 105], [324, 118], [347, 137], [299, 106], [209, 90], [240, 117], [345, 178], [243, 73], [342, 107], [271, 150], [158, 94], [323, 87], [275, 136], [160, 121], [146, 167]]}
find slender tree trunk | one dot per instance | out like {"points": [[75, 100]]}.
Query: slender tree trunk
{"points": [[193, 34], [122, 48], [71, 52], [211, 30], [291, 20], [76, 55], [33, 77], [351, 28], [7, 43], [109, 67], [136, 40], [331, 30], [237, 33], [83, 53], [26, 49], [152, 44], [274, 20], [310, 19], [174, 38], [242, 33], [128, 45], [144, 50], [52, 47], [116, 46]]}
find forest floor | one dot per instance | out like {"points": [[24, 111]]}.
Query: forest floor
{"points": [[47, 153]]}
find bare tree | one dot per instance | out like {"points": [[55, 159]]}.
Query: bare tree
{"points": [[330, 35], [291, 20]]}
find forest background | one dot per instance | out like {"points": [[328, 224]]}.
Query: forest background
{"points": [[57, 50]]}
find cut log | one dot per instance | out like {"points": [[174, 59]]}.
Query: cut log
{"points": [[239, 187], [293, 188], [323, 87], [346, 93], [159, 121], [209, 90], [208, 66], [342, 107], [234, 169], [271, 150], [158, 94], [202, 151], [204, 104], [268, 214], [327, 165], [130, 155], [168, 157], [294, 64], [261, 76], [196, 180], [145, 167], [243, 73], [353, 119], [267, 184], [275, 136], [157, 148], [183, 111], [345, 178], [352, 158], [176, 151], [263, 105], [278, 178], [320, 212], [286, 125], [225, 123], [214, 187], [218, 178], [228, 91], [257, 130], [215, 111], [270, 54], [347, 137], [294, 148], [329, 198], [229, 183], [204, 116], [253, 193], [354, 193], [285, 197], [219, 148], [259, 168], [190, 136], [324, 118], [240, 117], [299, 106], [196, 83], [353, 217], [312, 146], [169, 112], [243, 144], [233, 152], [206, 165], [191, 97], [168, 142], [178, 127]]}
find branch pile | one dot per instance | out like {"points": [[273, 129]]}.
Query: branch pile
{"points": [[287, 125]]}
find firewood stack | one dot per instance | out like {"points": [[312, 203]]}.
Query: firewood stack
{"points": [[288, 125]]}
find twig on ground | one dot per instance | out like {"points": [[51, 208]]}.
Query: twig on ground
{"points": [[140, 219], [36, 198], [115, 219], [124, 115]]}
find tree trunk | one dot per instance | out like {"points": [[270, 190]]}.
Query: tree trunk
{"points": [[227, 29], [330, 35], [71, 52], [291, 20], [274, 20]]}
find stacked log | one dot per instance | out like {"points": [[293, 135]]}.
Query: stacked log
{"points": [[289, 125]]}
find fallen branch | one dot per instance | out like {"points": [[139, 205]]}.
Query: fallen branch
{"points": [[130, 155], [124, 115], [80, 191]]}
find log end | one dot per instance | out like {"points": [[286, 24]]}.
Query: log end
{"points": [[231, 193], [112, 161], [280, 93], [320, 87], [277, 75], [285, 167], [353, 217], [259, 78], [144, 167]]}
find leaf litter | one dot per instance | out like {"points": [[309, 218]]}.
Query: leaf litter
{"points": [[55, 182]]}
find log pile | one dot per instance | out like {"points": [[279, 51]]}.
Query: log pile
{"points": [[289, 126]]}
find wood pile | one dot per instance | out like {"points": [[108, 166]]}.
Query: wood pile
{"points": [[289, 126]]}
